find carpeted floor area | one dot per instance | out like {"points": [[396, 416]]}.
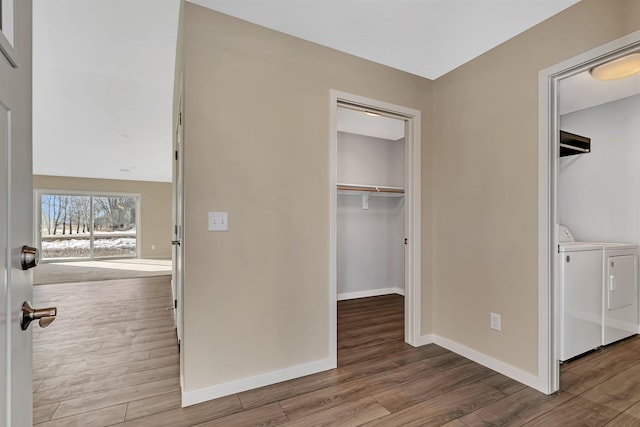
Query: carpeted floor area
{"points": [[89, 271]]}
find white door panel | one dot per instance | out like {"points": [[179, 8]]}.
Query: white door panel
{"points": [[17, 204]]}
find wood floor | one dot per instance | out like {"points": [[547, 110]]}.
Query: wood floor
{"points": [[120, 367]]}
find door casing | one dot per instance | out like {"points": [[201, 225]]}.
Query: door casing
{"points": [[177, 251]]}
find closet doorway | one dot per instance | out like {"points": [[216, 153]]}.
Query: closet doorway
{"points": [[375, 210]]}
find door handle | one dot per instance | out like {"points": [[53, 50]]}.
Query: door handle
{"points": [[44, 315], [29, 257], [175, 242]]}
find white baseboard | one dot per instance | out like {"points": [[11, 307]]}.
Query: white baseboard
{"points": [[510, 371], [370, 293], [424, 340], [220, 390]]}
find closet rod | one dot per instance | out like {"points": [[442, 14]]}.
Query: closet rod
{"points": [[362, 108], [574, 148], [370, 188]]}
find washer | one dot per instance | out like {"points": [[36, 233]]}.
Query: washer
{"points": [[580, 298], [589, 268]]}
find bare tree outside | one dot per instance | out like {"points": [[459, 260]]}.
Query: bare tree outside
{"points": [[114, 220], [70, 231]]}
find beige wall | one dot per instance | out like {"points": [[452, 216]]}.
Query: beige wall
{"points": [[485, 174], [257, 146], [155, 222]]}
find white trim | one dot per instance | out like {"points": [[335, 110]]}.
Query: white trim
{"points": [[413, 162], [510, 371], [370, 293], [209, 393], [546, 347], [413, 225], [548, 365], [425, 339], [333, 227]]}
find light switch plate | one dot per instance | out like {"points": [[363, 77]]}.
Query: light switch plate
{"points": [[496, 321], [218, 221]]}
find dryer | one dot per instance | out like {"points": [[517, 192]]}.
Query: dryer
{"points": [[620, 292], [589, 268]]}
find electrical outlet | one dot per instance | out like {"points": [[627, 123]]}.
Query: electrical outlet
{"points": [[496, 321]]}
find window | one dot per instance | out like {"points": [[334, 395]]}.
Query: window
{"points": [[87, 226]]}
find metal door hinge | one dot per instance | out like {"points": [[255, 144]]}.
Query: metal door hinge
{"points": [[175, 303], [405, 240]]}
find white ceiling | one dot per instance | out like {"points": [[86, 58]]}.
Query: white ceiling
{"points": [[103, 69], [583, 91], [103, 88], [424, 37]]}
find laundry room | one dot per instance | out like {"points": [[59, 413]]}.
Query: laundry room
{"points": [[598, 208]]}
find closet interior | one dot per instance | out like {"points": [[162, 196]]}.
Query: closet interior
{"points": [[370, 205]]}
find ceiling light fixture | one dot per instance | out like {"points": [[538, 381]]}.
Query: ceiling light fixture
{"points": [[618, 68], [372, 114]]}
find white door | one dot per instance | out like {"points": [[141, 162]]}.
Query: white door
{"points": [[16, 202]]}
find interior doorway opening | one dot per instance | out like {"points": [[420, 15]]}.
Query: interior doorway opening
{"points": [[555, 81], [370, 230], [397, 193]]}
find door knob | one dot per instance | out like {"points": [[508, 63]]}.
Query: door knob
{"points": [[175, 242], [44, 315], [29, 257]]}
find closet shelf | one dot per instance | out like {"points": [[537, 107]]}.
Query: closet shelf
{"points": [[376, 190], [572, 144]]}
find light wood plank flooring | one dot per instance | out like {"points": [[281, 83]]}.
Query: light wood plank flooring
{"points": [[121, 368]]}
